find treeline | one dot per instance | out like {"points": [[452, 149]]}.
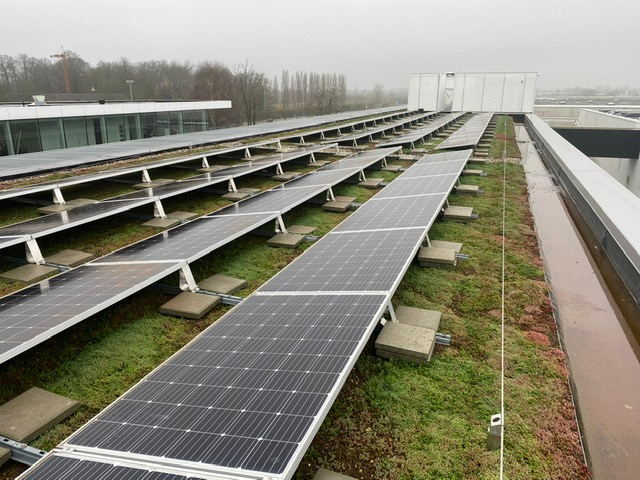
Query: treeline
{"points": [[255, 97]]}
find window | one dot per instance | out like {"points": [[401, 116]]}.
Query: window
{"points": [[162, 122], [75, 132], [175, 122], [5, 140], [132, 128], [95, 130], [115, 128], [188, 125], [25, 136], [51, 134], [148, 124]]}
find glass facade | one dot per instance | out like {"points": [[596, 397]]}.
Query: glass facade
{"points": [[26, 136]]}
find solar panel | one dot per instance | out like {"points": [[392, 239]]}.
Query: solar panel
{"points": [[77, 216], [399, 212], [38, 312], [404, 187], [368, 132], [68, 468], [469, 134], [361, 159], [369, 261], [238, 397], [419, 134], [190, 240]]}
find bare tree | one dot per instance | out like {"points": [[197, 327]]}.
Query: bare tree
{"points": [[214, 81], [378, 95], [252, 90]]}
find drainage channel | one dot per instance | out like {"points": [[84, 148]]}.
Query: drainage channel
{"points": [[602, 351]]}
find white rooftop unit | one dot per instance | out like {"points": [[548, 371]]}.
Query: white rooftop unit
{"points": [[508, 92]]}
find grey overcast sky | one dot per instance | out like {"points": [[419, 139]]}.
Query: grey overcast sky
{"points": [[569, 42]]}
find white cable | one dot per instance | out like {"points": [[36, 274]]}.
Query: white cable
{"points": [[504, 234]]}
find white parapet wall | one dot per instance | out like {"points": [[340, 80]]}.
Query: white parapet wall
{"points": [[505, 92]]}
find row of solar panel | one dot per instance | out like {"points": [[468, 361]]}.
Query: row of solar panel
{"points": [[55, 222], [420, 134], [469, 134], [35, 163], [370, 133], [36, 313], [245, 398]]}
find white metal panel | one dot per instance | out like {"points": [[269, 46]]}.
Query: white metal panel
{"points": [[529, 95], [513, 92], [472, 92], [493, 91], [413, 102]]}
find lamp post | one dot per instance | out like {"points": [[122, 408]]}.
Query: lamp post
{"points": [[130, 89]]}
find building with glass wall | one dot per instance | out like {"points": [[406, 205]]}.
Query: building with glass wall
{"points": [[37, 128]]}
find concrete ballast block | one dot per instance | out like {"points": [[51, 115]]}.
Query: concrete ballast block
{"points": [[34, 412], [222, 284], [285, 240], [162, 222], [182, 216], [456, 246], [406, 340], [70, 258], [234, 196], [418, 317], [339, 207], [437, 257], [301, 229], [5, 455], [460, 214], [467, 189], [190, 305], [28, 273], [324, 474]]}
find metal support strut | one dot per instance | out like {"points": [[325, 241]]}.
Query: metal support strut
{"points": [[392, 313], [158, 209], [187, 282], [280, 227], [57, 196], [33, 253], [330, 196]]}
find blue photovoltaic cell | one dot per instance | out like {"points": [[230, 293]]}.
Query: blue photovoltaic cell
{"points": [[469, 134], [408, 186], [56, 467], [350, 262], [39, 311], [246, 391], [422, 132], [188, 241], [390, 213]]}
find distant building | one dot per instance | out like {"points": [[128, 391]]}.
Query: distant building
{"points": [[37, 128]]}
